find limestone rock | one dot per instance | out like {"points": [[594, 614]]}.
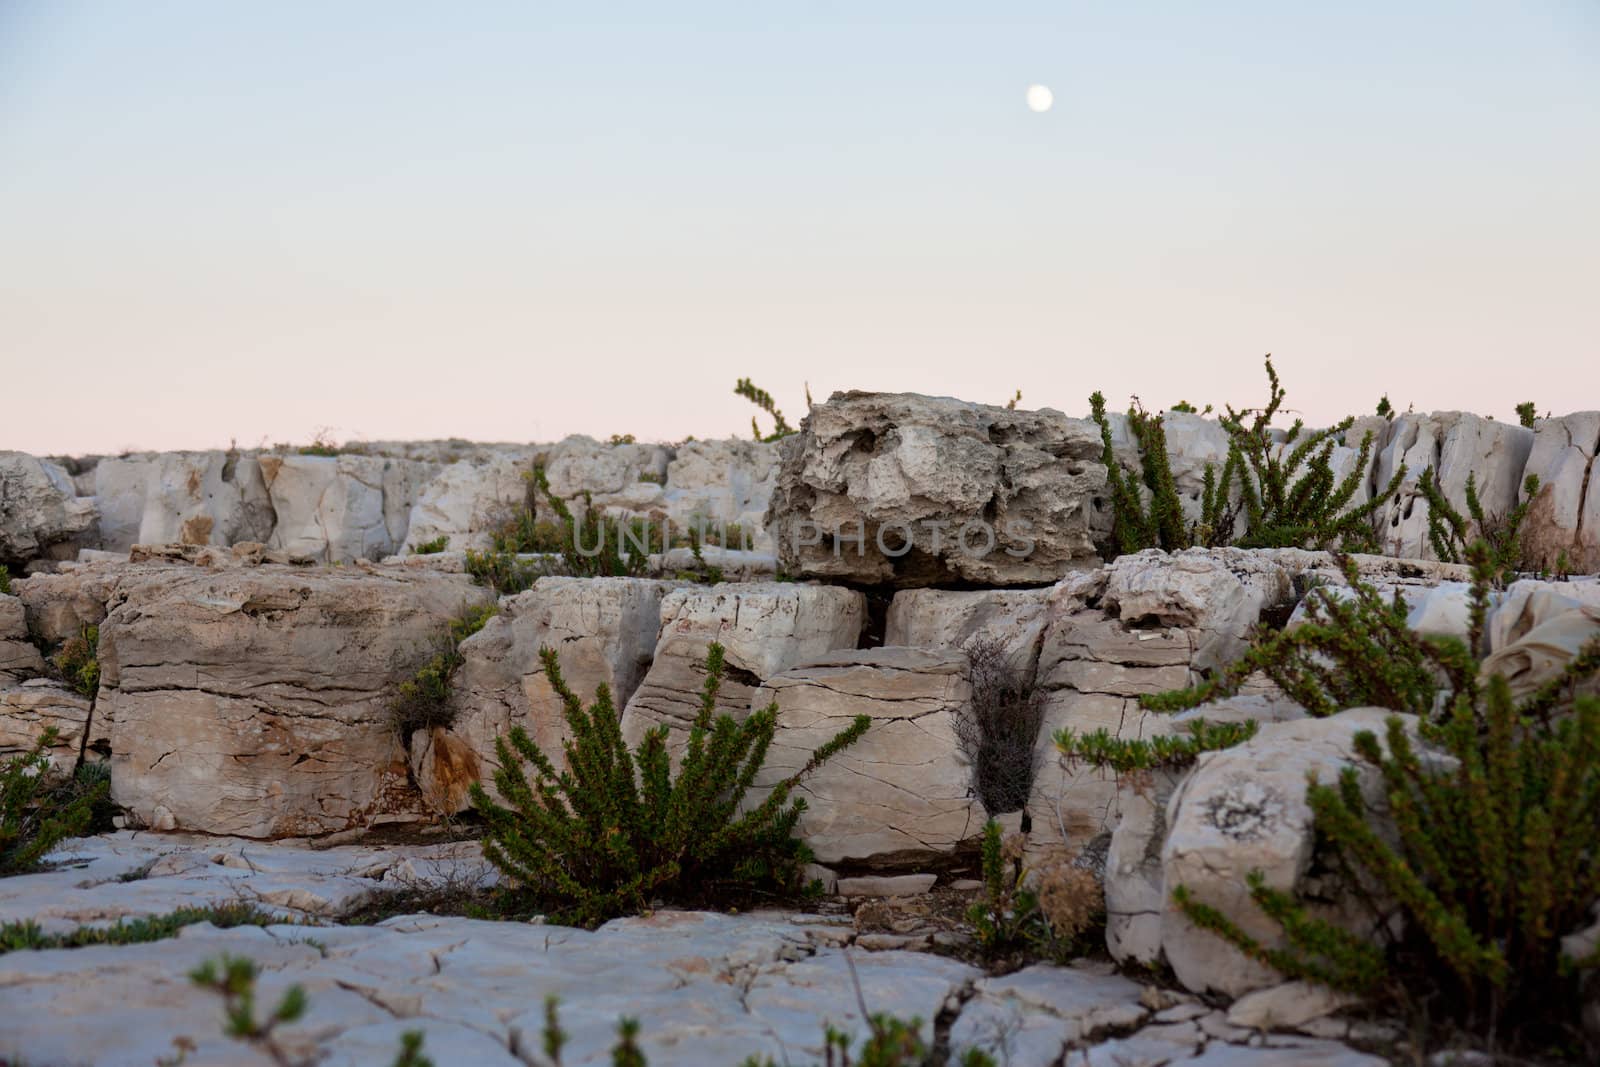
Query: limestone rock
{"points": [[250, 701], [603, 629], [1243, 809], [1135, 887], [722, 484], [198, 498], [903, 792], [19, 659], [765, 627], [41, 513], [341, 508], [919, 474], [950, 618], [465, 502], [28, 709], [1565, 517], [1286, 1006], [624, 474], [59, 605]]}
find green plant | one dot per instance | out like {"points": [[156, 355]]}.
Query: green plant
{"points": [[1288, 494], [762, 399], [1494, 853], [1385, 409], [28, 935], [423, 700], [1043, 916], [1526, 414], [77, 660], [1136, 526], [432, 546], [617, 829], [1450, 533], [34, 817], [503, 572], [594, 545], [622, 439], [5, 581], [1101, 748]]}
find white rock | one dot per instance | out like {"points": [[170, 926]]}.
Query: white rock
{"points": [[466, 501], [341, 508], [197, 498], [1565, 516], [1287, 1006], [19, 659], [40, 511], [950, 618], [722, 484], [28, 709]]}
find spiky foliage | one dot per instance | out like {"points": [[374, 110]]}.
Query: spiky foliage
{"points": [[1286, 492], [503, 572], [1135, 524], [762, 399], [594, 545], [431, 547], [233, 978], [1526, 415], [27, 934], [1494, 853], [1353, 649], [1030, 916], [1450, 533], [1101, 748], [78, 661], [999, 724], [34, 815], [423, 700], [1385, 409], [617, 829]]}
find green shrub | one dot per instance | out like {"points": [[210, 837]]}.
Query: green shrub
{"points": [[1100, 748], [16, 936], [78, 662], [423, 700], [503, 572], [595, 545], [1495, 853], [1136, 526], [1385, 409], [1450, 533], [1022, 916], [617, 829], [432, 546], [34, 816], [1525, 414], [5, 581], [763, 400]]}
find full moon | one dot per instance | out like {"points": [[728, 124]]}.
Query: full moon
{"points": [[1040, 98]]}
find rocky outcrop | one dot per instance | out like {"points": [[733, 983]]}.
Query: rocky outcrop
{"points": [[765, 627], [197, 498], [41, 514], [951, 618], [347, 507], [722, 485], [250, 701], [907, 490], [29, 708], [902, 793], [19, 659], [1244, 809], [465, 502], [604, 632], [1564, 521]]}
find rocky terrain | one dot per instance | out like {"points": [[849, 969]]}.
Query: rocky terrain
{"points": [[254, 612]]}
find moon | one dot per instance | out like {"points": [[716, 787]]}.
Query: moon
{"points": [[1040, 98]]}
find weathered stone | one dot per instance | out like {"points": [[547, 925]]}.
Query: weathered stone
{"points": [[251, 701], [896, 885], [1287, 1006], [1564, 520], [903, 792], [604, 631], [624, 475], [59, 605], [1244, 809], [464, 502], [950, 619], [723, 484], [1135, 886], [19, 659], [341, 508], [1038, 1012], [28, 709], [40, 511], [1454, 444], [934, 480], [735, 565], [765, 627], [199, 498], [1549, 631]]}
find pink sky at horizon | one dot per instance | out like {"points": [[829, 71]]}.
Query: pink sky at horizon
{"points": [[251, 225]]}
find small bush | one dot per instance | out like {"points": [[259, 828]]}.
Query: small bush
{"points": [[432, 546], [1136, 526], [1450, 533], [1100, 748], [1046, 919], [617, 830], [424, 700], [34, 816], [78, 663], [15, 936], [998, 726], [503, 572], [763, 400], [1526, 415]]}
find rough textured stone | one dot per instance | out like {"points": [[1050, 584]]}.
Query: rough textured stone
{"points": [[341, 508], [19, 659], [908, 469], [603, 629], [949, 619], [765, 627], [898, 885], [251, 701], [1286, 1006], [27, 710], [1243, 809], [903, 792], [465, 501], [623, 476], [1565, 517], [200, 498], [720, 484], [41, 513], [1135, 887]]}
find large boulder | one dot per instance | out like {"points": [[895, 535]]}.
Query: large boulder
{"points": [[1454, 444], [251, 701], [333, 509], [953, 618], [465, 502], [765, 627], [1564, 521], [908, 490], [197, 498], [1244, 809], [19, 659], [903, 793], [604, 631], [41, 514], [28, 709], [720, 485], [620, 476]]}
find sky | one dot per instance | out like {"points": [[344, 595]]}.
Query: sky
{"points": [[258, 222]]}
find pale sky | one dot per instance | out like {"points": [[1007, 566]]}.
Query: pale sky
{"points": [[518, 221]]}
